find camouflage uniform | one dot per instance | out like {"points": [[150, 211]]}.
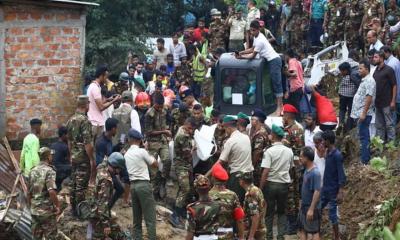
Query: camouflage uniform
{"points": [[229, 202], [259, 142], [123, 115], [296, 34], [183, 166], [254, 203], [79, 134], [372, 9], [120, 87], [42, 178], [391, 38], [183, 73], [158, 145], [201, 122], [178, 119], [294, 136], [203, 215], [353, 22], [336, 12], [217, 34], [102, 215], [220, 138]]}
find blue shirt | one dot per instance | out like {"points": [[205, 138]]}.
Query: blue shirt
{"points": [[103, 148], [318, 9], [311, 183], [61, 156], [394, 63], [334, 176]]}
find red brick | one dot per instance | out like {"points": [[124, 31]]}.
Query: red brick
{"points": [[43, 79], [68, 62], [23, 16], [28, 47], [62, 54], [17, 63], [15, 31], [22, 39], [75, 53], [36, 54], [23, 55], [75, 70], [49, 54], [43, 62], [55, 31], [67, 30], [9, 55], [29, 63], [29, 30], [73, 39], [30, 80], [10, 16], [48, 16], [47, 39], [54, 46], [76, 46], [54, 62], [61, 39], [35, 39], [9, 40], [15, 47], [75, 15], [36, 15], [61, 16], [66, 46], [63, 70], [77, 31]]}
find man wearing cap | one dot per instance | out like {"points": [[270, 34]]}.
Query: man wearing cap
{"points": [[252, 14], [203, 214], [128, 118], [138, 161], [237, 26], [294, 139], [183, 146], [259, 141], [178, 116], [183, 72], [42, 197], [80, 143], [236, 154], [254, 208], [123, 83], [30, 148], [275, 179], [158, 136], [217, 31], [242, 122], [231, 210]]}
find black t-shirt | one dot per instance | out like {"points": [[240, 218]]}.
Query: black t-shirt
{"points": [[61, 156], [385, 80]]}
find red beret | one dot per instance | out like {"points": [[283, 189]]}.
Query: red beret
{"points": [[290, 108], [219, 173]]}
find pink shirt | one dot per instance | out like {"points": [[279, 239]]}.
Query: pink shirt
{"points": [[298, 81], [95, 116]]}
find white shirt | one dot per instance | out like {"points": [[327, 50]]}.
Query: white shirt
{"points": [[137, 161], [264, 48], [160, 57], [178, 50], [279, 160], [309, 135], [377, 45], [237, 152], [320, 163]]}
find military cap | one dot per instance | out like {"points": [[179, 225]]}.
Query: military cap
{"points": [[133, 133], [215, 12], [82, 99], [35, 121], [45, 151], [219, 173], [277, 130], [242, 116], [259, 114], [245, 175], [201, 182], [116, 159], [186, 93], [228, 119], [124, 76], [289, 108], [127, 95], [140, 82], [239, 8]]}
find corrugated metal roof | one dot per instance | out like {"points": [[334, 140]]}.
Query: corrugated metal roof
{"points": [[76, 2]]}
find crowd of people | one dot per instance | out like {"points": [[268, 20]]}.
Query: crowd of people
{"points": [[117, 144]]}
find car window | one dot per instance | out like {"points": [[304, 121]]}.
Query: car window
{"points": [[239, 86]]}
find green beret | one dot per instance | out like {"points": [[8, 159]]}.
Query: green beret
{"points": [[140, 81], [228, 119], [242, 116], [278, 130]]}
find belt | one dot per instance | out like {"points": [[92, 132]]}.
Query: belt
{"points": [[135, 181], [206, 237]]}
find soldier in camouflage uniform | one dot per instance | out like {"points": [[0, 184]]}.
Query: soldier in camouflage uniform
{"points": [[334, 23], [183, 72], [178, 117], [183, 146], [254, 205], [81, 148], [259, 141], [219, 135], [371, 9], [392, 16], [217, 31], [198, 116], [102, 222], [295, 34], [231, 210], [294, 139], [158, 137], [354, 15], [42, 191], [123, 83], [203, 214]]}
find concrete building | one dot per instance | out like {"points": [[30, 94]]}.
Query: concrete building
{"points": [[42, 49]]}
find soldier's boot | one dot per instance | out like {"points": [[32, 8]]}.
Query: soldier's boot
{"points": [[292, 225]]}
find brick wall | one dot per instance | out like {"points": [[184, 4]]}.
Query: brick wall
{"points": [[43, 50]]}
